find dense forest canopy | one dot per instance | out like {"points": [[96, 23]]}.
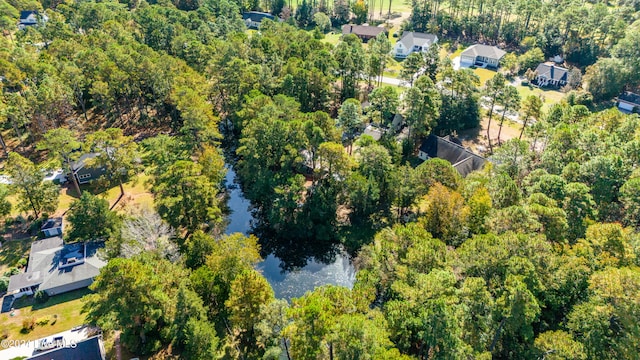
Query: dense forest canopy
{"points": [[533, 256]]}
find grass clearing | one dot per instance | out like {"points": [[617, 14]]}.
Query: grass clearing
{"points": [[484, 75], [63, 312], [332, 37], [12, 251], [549, 97]]}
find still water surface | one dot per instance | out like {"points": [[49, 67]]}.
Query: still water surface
{"points": [[290, 283]]}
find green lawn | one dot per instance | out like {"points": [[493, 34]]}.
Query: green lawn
{"points": [[484, 75], [12, 251], [63, 312], [136, 190], [549, 97], [333, 37]]}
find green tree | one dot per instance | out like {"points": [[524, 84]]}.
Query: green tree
{"points": [[145, 315], [186, 198], [199, 125], [493, 91], [504, 191], [606, 323], [510, 101], [231, 256], [33, 193], [445, 214], [383, 101], [579, 206], [322, 21], [422, 105], [360, 9], [630, 197], [530, 59], [410, 66], [116, 152], [358, 336], [350, 119], [270, 330], [63, 146], [85, 213], [350, 58], [531, 109], [249, 290], [313, 317], [5, 205], [605, 79]]}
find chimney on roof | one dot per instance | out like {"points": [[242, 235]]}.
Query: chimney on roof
{"points": [[551, 71]]}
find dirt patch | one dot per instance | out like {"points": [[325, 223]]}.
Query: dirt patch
{"points": [[476, 138]]}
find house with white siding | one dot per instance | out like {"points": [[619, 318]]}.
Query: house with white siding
{"points": [[413, 42]]}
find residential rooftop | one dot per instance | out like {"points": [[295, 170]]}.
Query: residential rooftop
{"points": [[487, 51]]}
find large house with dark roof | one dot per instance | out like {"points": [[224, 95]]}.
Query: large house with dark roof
{"points": [[253, 19], [88, 349], [450, 149], [364, 32], [56, 267], [549, 74], [413, 42], [481, 55], [629, 102]]}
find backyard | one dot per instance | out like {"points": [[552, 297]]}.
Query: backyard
{"points": [[549, 97], [60, 313], [12, 251]]}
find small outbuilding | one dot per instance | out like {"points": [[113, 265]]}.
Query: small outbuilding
{"points": [[629, 102], [52, 227]]}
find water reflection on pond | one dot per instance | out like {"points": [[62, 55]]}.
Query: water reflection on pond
{"points": [[304, 272]]}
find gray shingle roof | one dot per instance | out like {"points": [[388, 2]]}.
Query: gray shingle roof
{"points": [[552, 72], [630, 98], [49, 266], [52, 223], [487, 51], [410, 39], [460, 158], [89, 349], [81, 162], [362, 30]]}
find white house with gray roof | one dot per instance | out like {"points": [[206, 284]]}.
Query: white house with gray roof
{"points": [[482, 55], [56, 267], [413, 42]]}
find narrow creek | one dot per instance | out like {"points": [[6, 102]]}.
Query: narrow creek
{"points": [[286, 284]]}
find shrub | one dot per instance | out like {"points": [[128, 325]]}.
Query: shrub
{"points": [[28, 325], [12, 271], [21, 263], [4, 283], [41, 296]]}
